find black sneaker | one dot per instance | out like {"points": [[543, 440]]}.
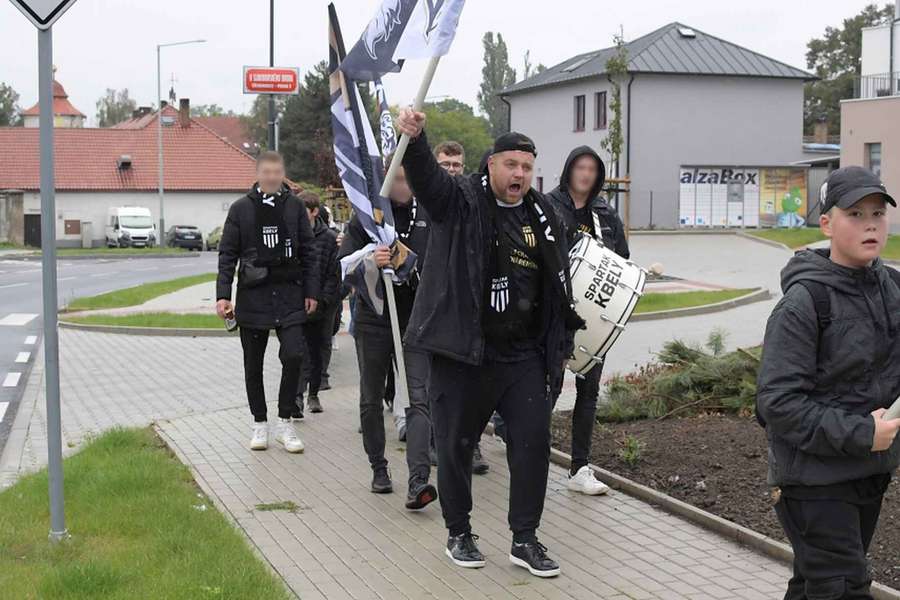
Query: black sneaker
{"points": [[421, 494], [298, 415], [325, 385], [533, 556], [381, 482], [461, 549], [479, 465], [314, 405]]}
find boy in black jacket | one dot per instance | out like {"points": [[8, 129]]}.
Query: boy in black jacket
{"points": [[583, 211], [830, 368], [318, 328]]}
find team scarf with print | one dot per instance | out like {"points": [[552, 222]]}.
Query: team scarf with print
{"points": [[274, 245], [500, 263]]}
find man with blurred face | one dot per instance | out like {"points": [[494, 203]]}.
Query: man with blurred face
{"points": [[451, 157], [268, 233], [375, 352], [493, 309]]}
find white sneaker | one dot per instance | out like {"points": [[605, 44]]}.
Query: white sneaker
{"points": [[287, 436], [585, 482], [260, 439]]}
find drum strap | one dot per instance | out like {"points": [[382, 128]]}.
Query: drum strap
{"points": [[598, 230]]}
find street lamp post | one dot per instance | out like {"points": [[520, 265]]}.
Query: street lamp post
{"points": [[273, 140], [159, 144]]}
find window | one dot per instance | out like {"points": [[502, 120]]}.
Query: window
{"points": [[579, 113], [600, 110], [873, 158]]}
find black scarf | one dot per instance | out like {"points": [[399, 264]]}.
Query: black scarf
{"points": [[274, 245]]}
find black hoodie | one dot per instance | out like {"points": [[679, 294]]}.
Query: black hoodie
{"points": [[612, 229], [815, 395]]}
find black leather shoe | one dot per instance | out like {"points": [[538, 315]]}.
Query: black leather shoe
{"points": [[479, 465], [381, 482], [421, 494], [461, 549], [533, 556]]}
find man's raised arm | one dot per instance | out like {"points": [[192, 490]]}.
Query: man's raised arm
{"points": [[436, 190]]}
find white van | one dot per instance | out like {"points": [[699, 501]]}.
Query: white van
{"points": [[130, 226]]}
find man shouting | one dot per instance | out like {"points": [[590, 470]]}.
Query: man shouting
{"points": [[493, 308]]}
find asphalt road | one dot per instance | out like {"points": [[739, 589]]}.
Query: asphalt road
{"points": [[20, 307]]}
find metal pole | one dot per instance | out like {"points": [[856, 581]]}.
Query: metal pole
{"points": [[159, 153], [273, 144], [400, 387], [48, 263]]}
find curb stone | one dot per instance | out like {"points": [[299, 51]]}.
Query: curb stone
{"points": [[757, 295], [37, 257]]}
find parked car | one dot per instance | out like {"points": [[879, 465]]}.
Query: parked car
{"points": [[212, 240], [184, 236], [130, 227]]}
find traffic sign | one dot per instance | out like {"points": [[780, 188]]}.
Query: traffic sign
{"points": [[271, 80], [43, 13]]}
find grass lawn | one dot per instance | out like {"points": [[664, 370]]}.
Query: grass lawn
{"points": [[653, 302], [161, 319], [137, 532], [792, 238], [134, 296]]}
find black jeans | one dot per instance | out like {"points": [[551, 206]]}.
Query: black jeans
{"points": [[291, 353], [584, 415], [374, 353], [830, 540], [318, 335], [463, 397]]}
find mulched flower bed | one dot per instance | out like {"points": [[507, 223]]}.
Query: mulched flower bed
{"points": [[717, 463]]}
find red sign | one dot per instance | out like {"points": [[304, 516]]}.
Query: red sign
{"points": [[271, 80]]}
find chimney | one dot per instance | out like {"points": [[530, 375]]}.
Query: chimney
{"points": [[184, 112], [820, 132]]}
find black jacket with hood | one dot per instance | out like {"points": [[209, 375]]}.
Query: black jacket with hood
{"points": [[817, 388], [612, 228], [279, 301], [329, 268], [446, 318], [419, 231]]}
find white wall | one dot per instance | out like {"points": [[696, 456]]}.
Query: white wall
{"points": [[206, 210], [876, 43]]}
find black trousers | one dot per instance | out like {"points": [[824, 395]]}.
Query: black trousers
{"points": [[584, 415], [830, 540], [318, 334], [291, 353], [463, 397], [374, 353]]}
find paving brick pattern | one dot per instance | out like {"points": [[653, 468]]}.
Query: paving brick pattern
{"points": [[343, 541]]}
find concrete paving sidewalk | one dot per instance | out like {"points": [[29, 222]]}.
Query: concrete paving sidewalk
{"points": [[343, 541]]}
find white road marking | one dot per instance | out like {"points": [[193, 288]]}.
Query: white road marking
{"points": [[23, 357], [17, 319], [102, 274], [64, 278], [3, 406], [31, 340], [12, 285], [12, 379], [147, 269]]}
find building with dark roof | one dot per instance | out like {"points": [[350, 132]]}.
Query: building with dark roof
{"points": [[690, 101], [102, 168]]}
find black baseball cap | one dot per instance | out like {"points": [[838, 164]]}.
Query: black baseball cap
{"points": [[845, 187], [514, 141]]}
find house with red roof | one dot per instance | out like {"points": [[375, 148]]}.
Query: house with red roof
{"points": [[102, 168], [64, 114]]}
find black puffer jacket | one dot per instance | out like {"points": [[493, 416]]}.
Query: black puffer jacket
{"points": [[279, 301], [418, 230], [326, 258], [611, 226], [815, 395], [446, 318]]}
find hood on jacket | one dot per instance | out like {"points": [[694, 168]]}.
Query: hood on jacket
{"points": [[816, 265], [319, 225], [570, 162]]}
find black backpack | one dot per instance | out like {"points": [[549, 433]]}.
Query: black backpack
{"points": [[822, 302]]}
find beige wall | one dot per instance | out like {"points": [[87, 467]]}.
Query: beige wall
{"points": [[875, 120]]}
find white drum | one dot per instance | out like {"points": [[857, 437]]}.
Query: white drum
{"points": [[606, 289]]}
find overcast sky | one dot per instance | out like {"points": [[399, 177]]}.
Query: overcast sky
{"points": [[101, 44]]}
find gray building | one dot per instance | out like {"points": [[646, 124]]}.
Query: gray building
{"points": [[690, 101]]}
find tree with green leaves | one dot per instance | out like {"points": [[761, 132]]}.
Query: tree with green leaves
{"points": [[256, 121], [835, 59], [617, 70], [9, 106], [496, 75], [114, 107], [306, 136], [210, 110], [530, 69], [452, 119]]}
